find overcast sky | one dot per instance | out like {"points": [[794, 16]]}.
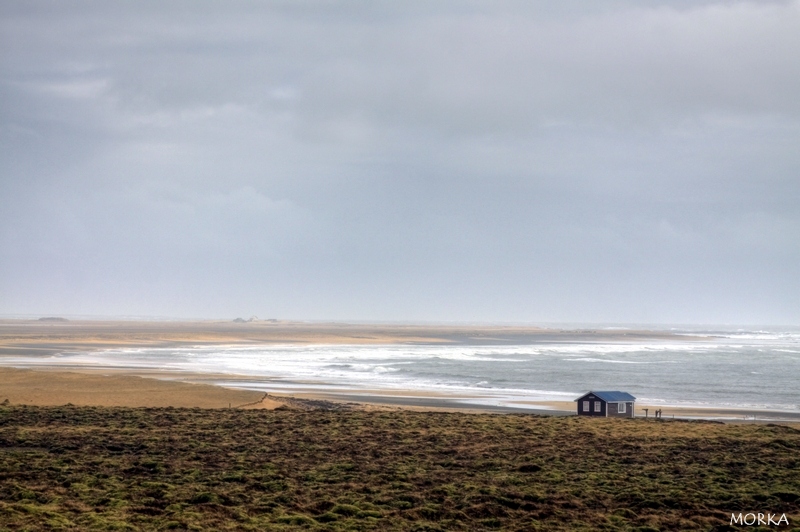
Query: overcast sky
{"points": [[617, 161]]}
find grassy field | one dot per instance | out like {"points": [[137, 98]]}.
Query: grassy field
{"points": [[79, 468]]}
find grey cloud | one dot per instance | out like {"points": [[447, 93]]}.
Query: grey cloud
{"points": [[470, 160]]}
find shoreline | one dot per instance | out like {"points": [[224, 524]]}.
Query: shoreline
{"points": [[372, 397], [419, 401], [36, 340], [53, 387]]}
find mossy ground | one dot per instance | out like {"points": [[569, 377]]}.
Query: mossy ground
{"points": [[83, 468]]}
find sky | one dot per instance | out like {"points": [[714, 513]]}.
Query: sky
{"points": [[450, 161]]}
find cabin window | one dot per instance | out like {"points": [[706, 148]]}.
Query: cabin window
{"points": [[586, 406], [597, 406], [620, 408]]}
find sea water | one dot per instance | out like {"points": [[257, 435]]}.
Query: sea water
{"points": [[730, 369]]}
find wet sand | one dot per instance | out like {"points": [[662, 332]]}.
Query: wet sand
{"points": [[426, 402]]}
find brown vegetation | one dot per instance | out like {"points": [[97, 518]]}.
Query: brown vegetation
{"points": [[77, 468]]}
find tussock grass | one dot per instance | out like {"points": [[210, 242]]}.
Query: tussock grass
{"points": [[83, 468]]}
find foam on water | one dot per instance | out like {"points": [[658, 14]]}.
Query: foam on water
{"points": [[754, 369]]}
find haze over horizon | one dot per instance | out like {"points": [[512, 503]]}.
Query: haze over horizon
{"points": [[540, 162]]}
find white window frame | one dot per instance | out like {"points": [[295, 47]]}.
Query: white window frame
{"points": [[620, 408], [586, 406], [598, 406]]}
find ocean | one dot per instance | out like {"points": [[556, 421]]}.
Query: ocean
{"points": [[758, 369]]}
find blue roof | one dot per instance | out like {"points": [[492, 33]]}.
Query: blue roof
{"points": [[610, 397]]}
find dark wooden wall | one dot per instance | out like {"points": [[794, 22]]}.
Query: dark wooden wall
{"points": [[592, 400]]}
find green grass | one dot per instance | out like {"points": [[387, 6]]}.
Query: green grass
{"points": [[80, 468]]}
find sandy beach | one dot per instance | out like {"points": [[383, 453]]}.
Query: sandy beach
{"points": [[128, 387], [55, 388]]}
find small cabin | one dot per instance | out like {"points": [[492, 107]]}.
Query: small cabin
{"points": [[606, 404]]}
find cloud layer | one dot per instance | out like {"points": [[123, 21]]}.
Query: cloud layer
{"points": [[493, 161]]}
